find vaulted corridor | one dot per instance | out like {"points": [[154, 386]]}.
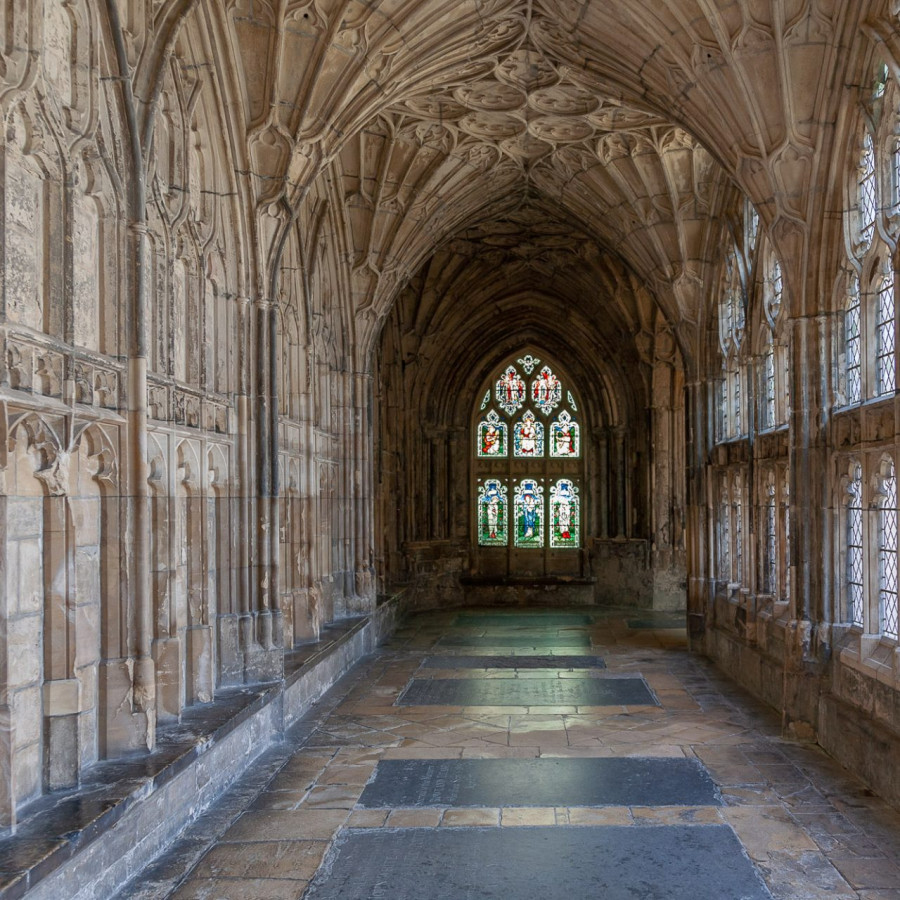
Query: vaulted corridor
{"points": [[552, 754]]}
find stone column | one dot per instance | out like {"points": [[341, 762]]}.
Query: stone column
{"points": [[621, 481]]}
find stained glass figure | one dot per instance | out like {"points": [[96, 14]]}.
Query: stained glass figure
{"points": [[529, 514], [528, 363], [510, 391], [546, 391], [492, 436], [564, 522], [528, 440], [564, 437], [493, 530]]}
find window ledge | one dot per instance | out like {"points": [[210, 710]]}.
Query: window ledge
{"points": [[873, 655]]}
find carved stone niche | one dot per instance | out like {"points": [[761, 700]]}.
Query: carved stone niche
{"points": [[106, 389], [878, 422], [158, 402], [20, 362], [48, 373], [192, 415], [84, 384]]}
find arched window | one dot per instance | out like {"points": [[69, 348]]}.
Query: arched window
{"points": [[887, 550], [731, 334], [885, 376], [723, 542], [528, 460], [770, 557], [852, 342], [866, 191], [855, 572], [786, 530], [737, 526]]}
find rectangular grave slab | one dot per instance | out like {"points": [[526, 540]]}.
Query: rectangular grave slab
{"points": [[523, 620], [626, 781], [514, 662], [676, 862], [604, 691], [658, 622], [517, 641]]}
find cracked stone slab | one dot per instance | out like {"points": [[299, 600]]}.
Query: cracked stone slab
{"points": [[541, 863]]}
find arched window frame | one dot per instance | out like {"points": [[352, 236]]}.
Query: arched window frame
{"points": [[885, 331], [731, 413], [769, 534], [773, 370], [528, 450], [853, 532], [886, 506]]}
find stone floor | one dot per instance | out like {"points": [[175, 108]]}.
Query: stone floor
{"points": [[657, 779]]}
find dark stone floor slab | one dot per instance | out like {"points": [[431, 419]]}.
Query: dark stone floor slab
{"points": [[517, 641], [545, 782], [514, 662], [658, 621], [523, 620], [702, 862], [527, 692]]}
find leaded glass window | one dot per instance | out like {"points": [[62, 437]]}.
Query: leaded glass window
{"points": [[546, 391], [852, 345], [492, 432], [529, 500], [866, 190], [529, 437], [528, 464], [493, 528], [770, 580], [895, 173], [769, 404], [887, 553], [564, 518], [510, 391], [736, 408], [855, 547], [786, 520], [737, 514], [724, 535], [884, 335], [565, 436]]}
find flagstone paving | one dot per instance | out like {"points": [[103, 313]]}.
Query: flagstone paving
{"points": [[771, 818]]}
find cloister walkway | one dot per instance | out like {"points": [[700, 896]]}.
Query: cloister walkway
{"points": [[537, 754]]}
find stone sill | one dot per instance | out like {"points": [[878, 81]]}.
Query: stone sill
{"points": [[61, 827], [872, 656]]}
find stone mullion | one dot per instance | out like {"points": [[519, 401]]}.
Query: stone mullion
{"points": [[364, 501]]}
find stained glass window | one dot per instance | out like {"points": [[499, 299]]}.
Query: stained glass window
{"points": [[529, 437], [855, 547], [528, 470], [564, 519], [564, 436], [884, 335], [529, 500], [546, 391], [852, 350], [493, 530], [887, 553], [492, 433], [510, 391]]}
